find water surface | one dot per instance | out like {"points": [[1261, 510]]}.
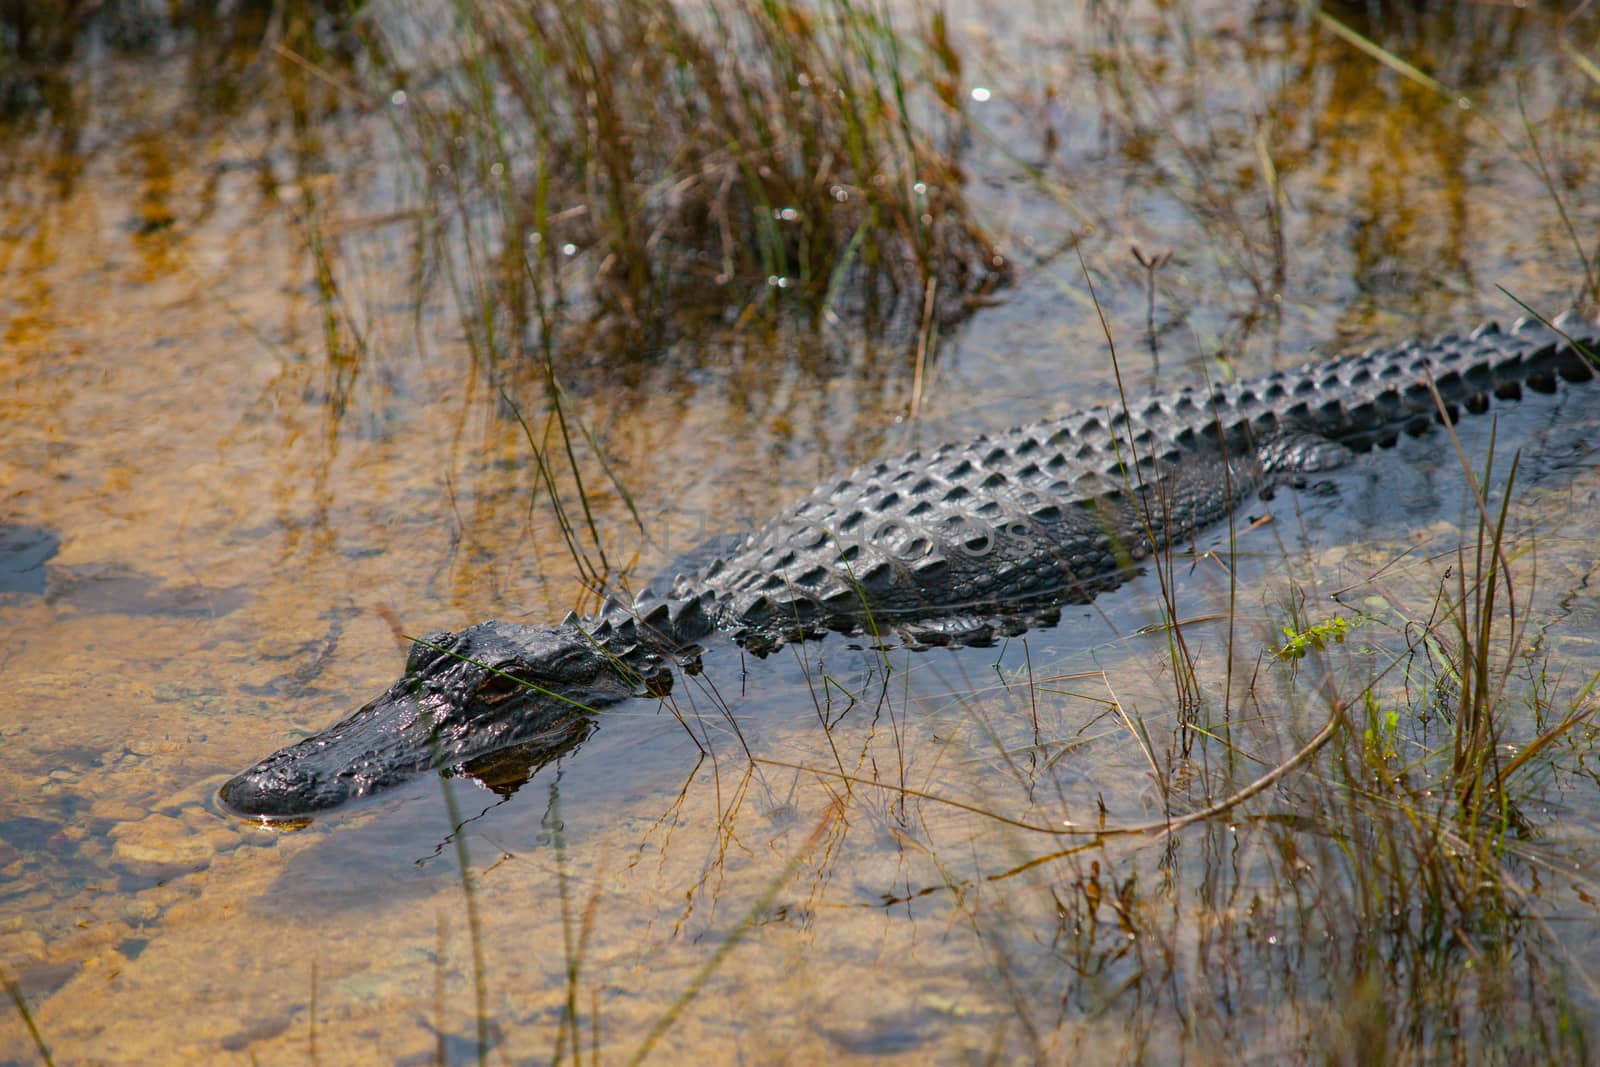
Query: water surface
{"points": [[247, 447]]}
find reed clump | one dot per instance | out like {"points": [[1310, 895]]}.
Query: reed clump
{"points": [[643, 170]]}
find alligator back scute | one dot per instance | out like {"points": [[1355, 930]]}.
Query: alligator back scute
{"points": [[1051, 510]]}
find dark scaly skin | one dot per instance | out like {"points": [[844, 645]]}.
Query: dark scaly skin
{"points": [[953, 545]]}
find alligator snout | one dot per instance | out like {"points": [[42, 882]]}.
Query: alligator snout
{"points": [[280, 787], [495, 686]]}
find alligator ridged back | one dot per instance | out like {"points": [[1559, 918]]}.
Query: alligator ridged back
{"points": [[925, 543], [1366, 399], [1054, 510]]}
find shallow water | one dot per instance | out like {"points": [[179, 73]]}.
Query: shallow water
{"points": [[233, 478]]}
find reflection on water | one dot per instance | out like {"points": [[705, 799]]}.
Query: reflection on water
{"points": [[248, 438]]}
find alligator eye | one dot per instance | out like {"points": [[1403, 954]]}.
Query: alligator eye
{"points": [[497, 687], [428, 648]]}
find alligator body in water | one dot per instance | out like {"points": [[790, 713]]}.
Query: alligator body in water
{"points": [[956, 544]]}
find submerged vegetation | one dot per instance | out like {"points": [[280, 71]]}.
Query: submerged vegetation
{"points": [[1394, 893]]}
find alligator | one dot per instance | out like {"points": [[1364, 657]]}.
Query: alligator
{"points": [[960, 544]]}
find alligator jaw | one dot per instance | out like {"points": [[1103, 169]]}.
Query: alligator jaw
{"points": [[464, 697]]}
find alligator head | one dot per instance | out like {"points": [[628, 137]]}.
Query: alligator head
{"points": [[464, 697]]}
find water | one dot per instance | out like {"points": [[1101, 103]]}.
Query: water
{"points": [[244, 476]]}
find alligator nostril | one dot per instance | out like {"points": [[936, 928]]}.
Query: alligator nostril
{"points": [[245, 796], [276, 790]]}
